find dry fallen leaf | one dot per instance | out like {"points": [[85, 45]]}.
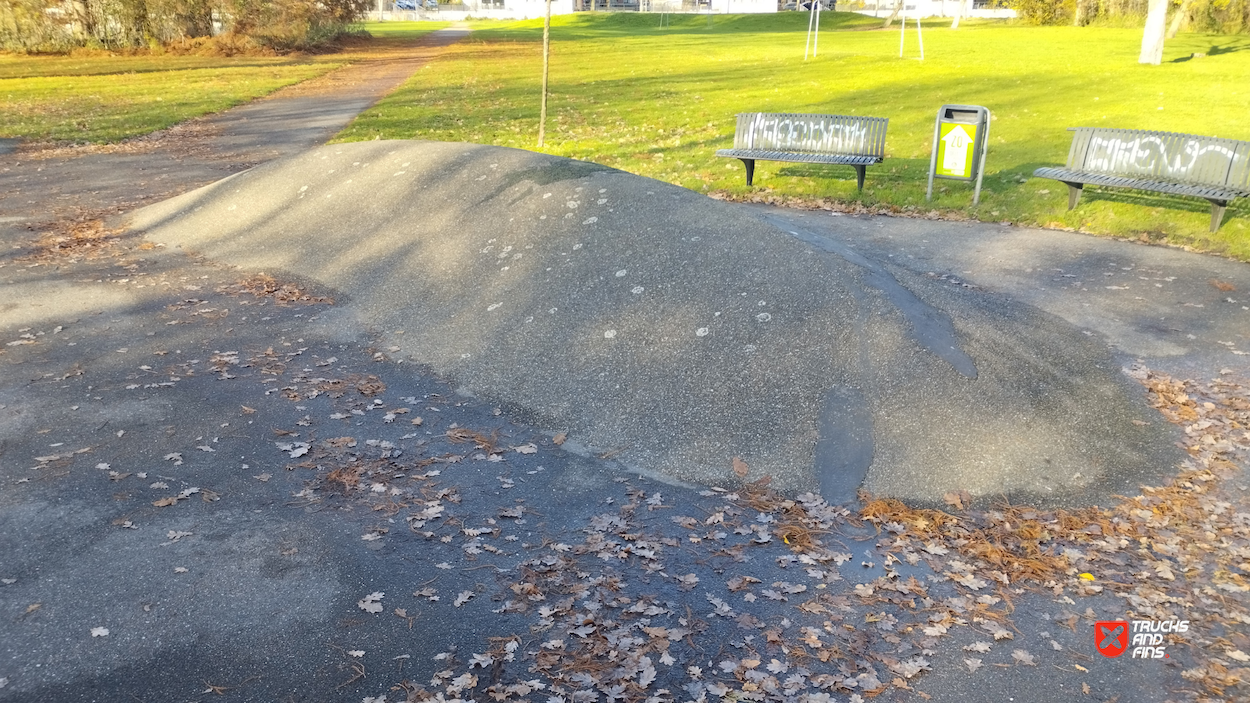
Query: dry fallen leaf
{"points": [[99, 632], [958, 499], [370, 603], [740, 468], [1023, 657], [559, 438], [165, 502]]}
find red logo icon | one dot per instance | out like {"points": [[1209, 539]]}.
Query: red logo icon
{"points": [[1111, 637]]}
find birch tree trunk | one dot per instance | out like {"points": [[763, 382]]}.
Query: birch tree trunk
{"points": [[959, 12], [1179, 19], [898, 7], [1152, 36]]}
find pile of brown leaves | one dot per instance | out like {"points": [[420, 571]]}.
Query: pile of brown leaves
{"points": [[75, 240], [283, 293]]}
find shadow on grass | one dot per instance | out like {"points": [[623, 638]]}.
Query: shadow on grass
{"points": [[1233, 46], [1237, 210]]}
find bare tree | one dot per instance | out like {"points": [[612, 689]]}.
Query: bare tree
{"points": [[1079, 13], [959, 12], [1178, 19], [898, 7]]}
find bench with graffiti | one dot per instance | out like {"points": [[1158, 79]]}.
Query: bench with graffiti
{"points": [[812, 139], [1163, 162]]}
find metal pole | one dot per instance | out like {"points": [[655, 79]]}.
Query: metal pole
{"points": [[985, 146], [542, 114], [920, 35], [937, 123], [811, 17], [902, 33], [816, 41]]}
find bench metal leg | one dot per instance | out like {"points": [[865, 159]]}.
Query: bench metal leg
{"points": [[1217, 213], [1074, 194], [750, 164], [859, 176]]}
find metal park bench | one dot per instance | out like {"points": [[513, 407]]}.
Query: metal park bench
{"points": [[810, 139], [1163, 162]]}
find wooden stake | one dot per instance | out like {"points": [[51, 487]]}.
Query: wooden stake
{"points": [[542, 114]]}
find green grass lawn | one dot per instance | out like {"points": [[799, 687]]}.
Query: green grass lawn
{"points": [[659, 102], [101, 99]]}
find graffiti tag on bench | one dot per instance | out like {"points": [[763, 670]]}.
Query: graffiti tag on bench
{"points": [[808, 133], [1174, 157]]}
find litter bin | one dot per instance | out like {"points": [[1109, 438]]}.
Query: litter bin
{"points": [[959, 138]]}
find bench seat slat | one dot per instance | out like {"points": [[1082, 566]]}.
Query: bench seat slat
{"points": [[800, 157], [1095, 179]]}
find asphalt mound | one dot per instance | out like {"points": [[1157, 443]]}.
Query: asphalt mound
{"points": [[674, 332]]}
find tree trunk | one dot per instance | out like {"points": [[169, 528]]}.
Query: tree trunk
{"points": [[1078, 15], [1178, 19], [959, 12], [898, 7], [86, 18], [1152, 36]]}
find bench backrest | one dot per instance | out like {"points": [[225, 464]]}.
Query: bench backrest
{"points": [[1168, 156], [811, 134]]}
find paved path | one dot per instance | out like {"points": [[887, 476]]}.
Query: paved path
{"points": [[1179, 311]]}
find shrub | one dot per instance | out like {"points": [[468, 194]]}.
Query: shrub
{"points": [[1045, 11], [62, 25]]}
